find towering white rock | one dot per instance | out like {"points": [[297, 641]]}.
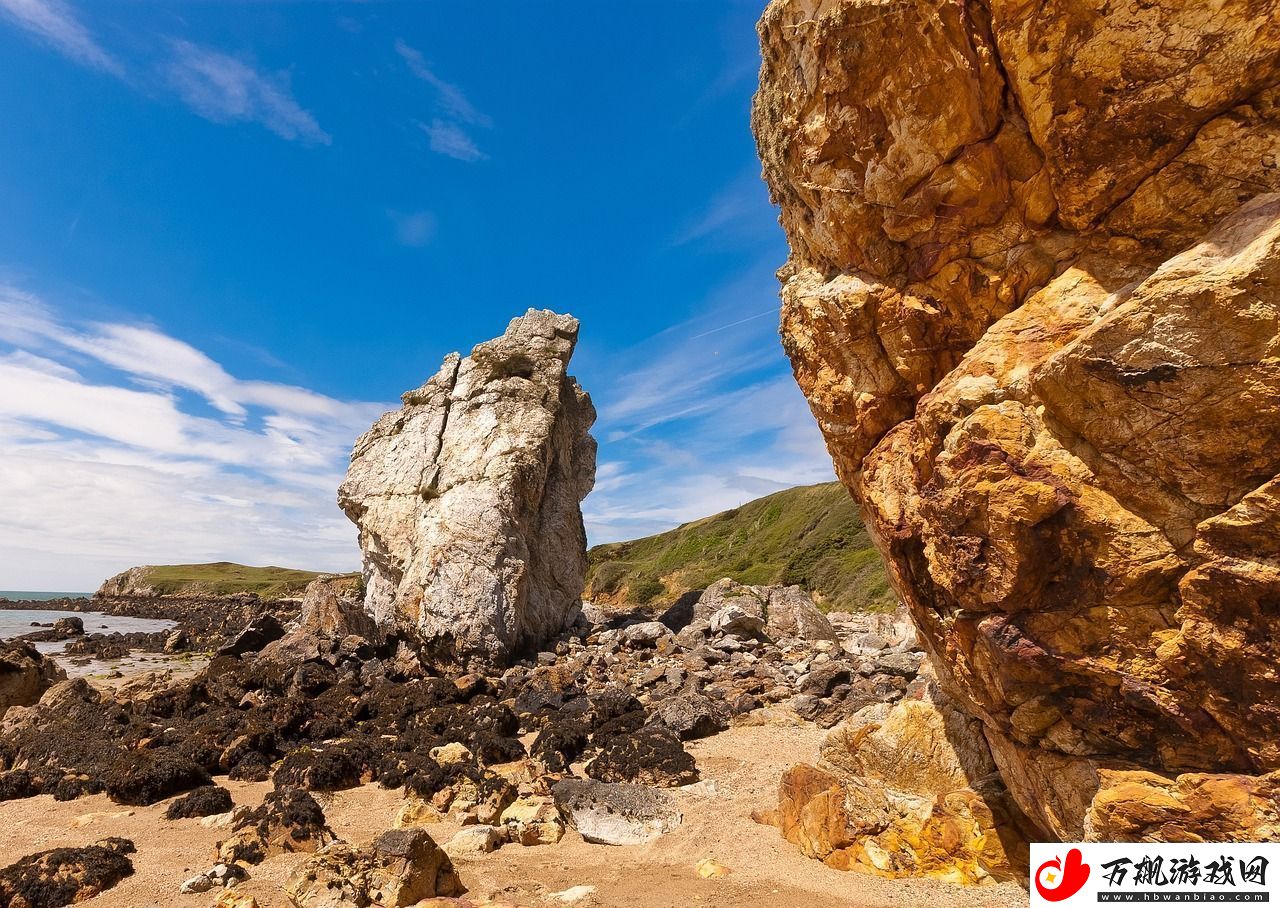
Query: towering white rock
{"points": [[468, 497]]}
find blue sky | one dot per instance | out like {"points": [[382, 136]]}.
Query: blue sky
{"points": [[233, 233]]}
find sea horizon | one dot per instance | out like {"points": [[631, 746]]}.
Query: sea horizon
{"points": [[40, 595]]}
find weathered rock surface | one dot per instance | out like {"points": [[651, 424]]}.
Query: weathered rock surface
{"points": [[25, 674], [468, 498], [616, 813], [1034, 303], [905, 790]]}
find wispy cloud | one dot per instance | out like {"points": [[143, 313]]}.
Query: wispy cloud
{"points": [[451, 140], [225, 89], [53, 22], [450, 97], [121, 444], [413, 228], [705, 411], [447, 133]]}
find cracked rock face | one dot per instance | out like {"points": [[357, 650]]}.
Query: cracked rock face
{"points": [[1033, 300], [468, 498]]}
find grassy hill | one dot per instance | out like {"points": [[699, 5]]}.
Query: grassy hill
{"points": [[221, 578], [812, 536]]}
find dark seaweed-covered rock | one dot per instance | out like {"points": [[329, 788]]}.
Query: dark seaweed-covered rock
{"points": [[651, 756], [145, 777], [65, 876], [287, 820], [17, 783], [204, 801], [327, 767]]}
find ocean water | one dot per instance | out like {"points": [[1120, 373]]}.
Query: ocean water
{"points": [[39, 596], [17, 621]]}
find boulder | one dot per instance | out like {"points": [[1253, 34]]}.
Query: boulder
{"points": [[65, 876], [468, 498], [262, 630], [779, 612], [287, 821], [329, 616], [25, 674], [402, 867], [616, 813], [1033, 301], [533, 820], [646, 633]]}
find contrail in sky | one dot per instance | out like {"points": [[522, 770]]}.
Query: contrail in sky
{"points": [[741, 321]]}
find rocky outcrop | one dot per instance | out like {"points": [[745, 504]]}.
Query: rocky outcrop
{"points": [[1034, 303], [25, 674], [468, 498]]}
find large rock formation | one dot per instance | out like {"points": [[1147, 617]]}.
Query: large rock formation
{"points": [[1034, 302], [468, 498]]}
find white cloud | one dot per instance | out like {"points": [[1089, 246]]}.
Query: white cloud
{"points": [[451, 140], [53, 22], [105, 463], [224, 89]]}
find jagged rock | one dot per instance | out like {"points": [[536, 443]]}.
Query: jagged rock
{"points": [[63, 876], [693, 716], [328, 617], [402, 867], [616, 813], [1034, 303], [25, 674], [467, 499]]}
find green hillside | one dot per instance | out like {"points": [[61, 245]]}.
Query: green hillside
{"points": [[812, 536], [221, 578]]}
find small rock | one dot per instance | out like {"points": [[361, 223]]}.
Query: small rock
{"points": [[451, 754], [198, 883], [572, 894], [710, 870], [533, 820], [475, 840]]}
